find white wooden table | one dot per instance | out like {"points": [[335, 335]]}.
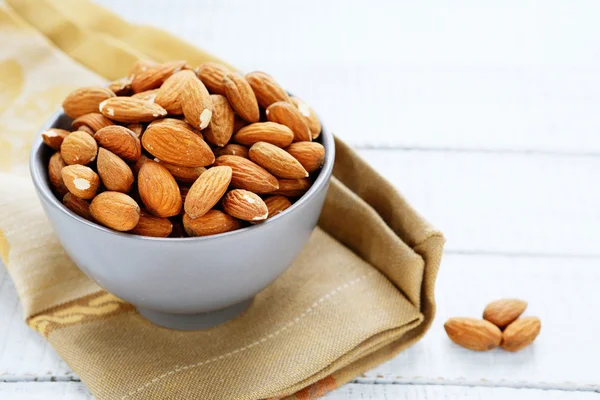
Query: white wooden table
{"points": [[486, 116]]}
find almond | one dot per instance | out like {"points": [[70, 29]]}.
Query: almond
{"points": [[504, 311], [211, 223], [114, 172], [241, 97], [158, 190], [474, 334], [248, 175], [265, 88], [86, 129], [245, 205], [220, 129], [183, 174], [270, 132], [78, 206], [129, 109], [54, 137], [287, 114], [212, 74], [147, 95], [138, 164], [277, 204], [310, 154], [207, 191], [78, 148], [196, 103], [152, 76], [120, 140], [55, 166], [115, 210], [310, 116], [175, 142], [277, 161], [137, 129], [293, 187], [82, 181], [521, 333], [141, 66], [94, 121], [85, 100], [170, 93], [149, 225], [232, 150], [122, 86]]}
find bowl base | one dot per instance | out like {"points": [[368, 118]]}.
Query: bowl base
{"points": [[192, 322]]}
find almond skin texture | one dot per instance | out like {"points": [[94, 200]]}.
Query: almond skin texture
{"points": [[270, 132], [248, 175], [287, 114], [245, 205], [310, 116], [149, 225], [158, 190], [212, 74], [79, 148], [94, 121], [153, 76], [120, 140], [55, 166], [504, 311], [186, 175], [241, 97], [207, 191], [232, 149], [265, 88], [293, 187], [277, 161], [115, 210], [114, 172], [130, 109], [82, 181], [211, 223], [521, 333], [85, 100], [474, 334], [310, 154], [175, 142], [196, 103], [277, 204], [220, 129], [169, 94], [78, 206], [54, 137]]}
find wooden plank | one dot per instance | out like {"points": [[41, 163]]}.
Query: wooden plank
{"points": [[44, 391], [414, 75]]}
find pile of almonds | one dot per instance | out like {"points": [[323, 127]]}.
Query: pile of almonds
{"points": [[174, 151], [500, 326]]}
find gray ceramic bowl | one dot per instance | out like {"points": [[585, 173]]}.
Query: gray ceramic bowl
{"points": [[183, 283]]}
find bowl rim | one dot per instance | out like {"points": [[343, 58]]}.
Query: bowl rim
{"points": [[44, 191]]}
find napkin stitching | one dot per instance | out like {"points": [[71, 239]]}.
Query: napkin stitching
{"points": [[256, 343]]}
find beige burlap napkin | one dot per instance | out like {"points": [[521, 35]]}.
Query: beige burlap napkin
{"points": [[360, 292]]}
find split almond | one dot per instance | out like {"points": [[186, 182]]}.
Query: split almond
{"points": [[130, 109], [277, 204], [270, 132], [521, 333], [241, 97], [504, 311], [78, 148], [158, 190], [309, 115], [152, 76], [55, 166], [310, 154], [211, 223], [196, 103], [248, 175], [245, 205], [170, 93], [293, 187], [78, 206], [149, 225], [120, 140], [474, 334], [82, 181], [175, 142], [94, 121], [115, 210], [265, 88], [277, 161], [207, 191], [85, 100], [114, 172], [232, 149], [220, 129], [212, 74], [54, 137], [287, 114], [183, 174]]}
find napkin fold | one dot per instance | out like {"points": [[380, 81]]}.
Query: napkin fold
{"points": [[360, 292]]}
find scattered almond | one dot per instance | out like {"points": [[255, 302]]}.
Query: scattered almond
{"points": [[220, 129], [195, 102], [120, 140], [310, 116], [245, 205], [265, 88], [232, 149], [158, 190], [115, 210], [211, 223], [114, 172], [241, 97], [212, 74], [277, 204], [270, 132], [310, 154], [93, 120], [293, 187], [78, 148], [78, 206], [54, 137], [85, 100], [277, 161], [149, 225], [82, 181], [129, 109], [248, 175], [504, 311], [207, 191], [474, 334], [521, 333], [287, 114]]}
